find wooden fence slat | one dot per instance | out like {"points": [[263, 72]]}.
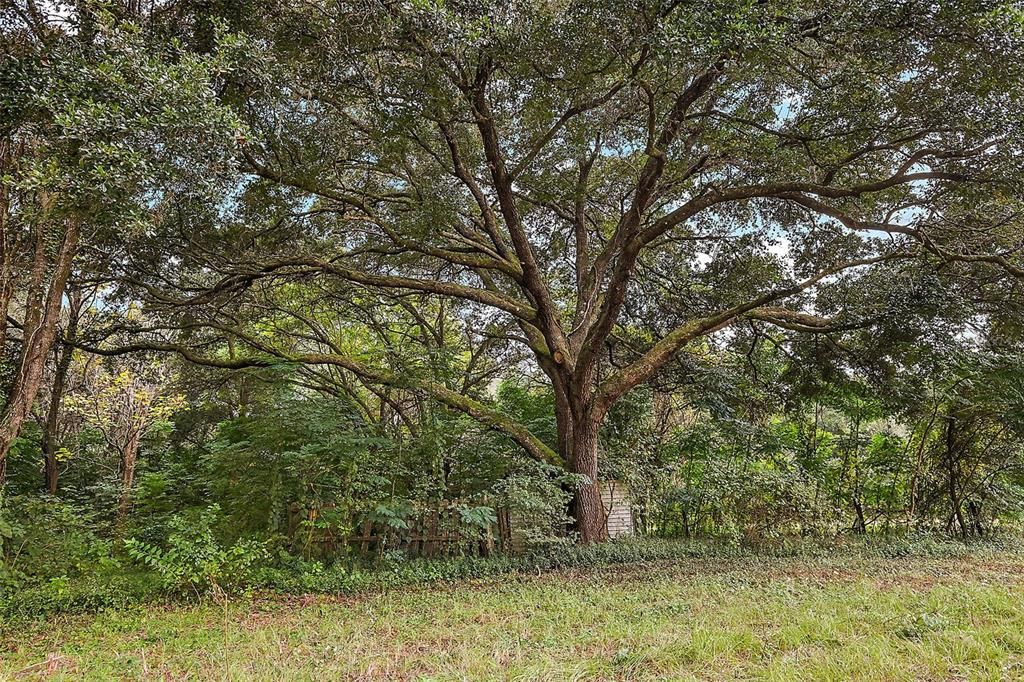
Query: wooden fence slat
{"points": [[432, 531]]}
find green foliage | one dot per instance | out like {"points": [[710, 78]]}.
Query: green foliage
{"points": [[309, 459], [477, 517], [343, 250], [194, 559], [823, 619], [538, 495], [130, 112], [121, 590], [43, 539], [294, 575], [194, 563]]}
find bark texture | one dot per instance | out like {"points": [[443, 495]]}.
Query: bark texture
{"points": [[42, 313]]}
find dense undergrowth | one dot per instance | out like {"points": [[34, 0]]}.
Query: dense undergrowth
{"points": [[198, 575]]}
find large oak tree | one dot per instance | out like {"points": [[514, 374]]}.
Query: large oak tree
{"points": [[601, 183]]}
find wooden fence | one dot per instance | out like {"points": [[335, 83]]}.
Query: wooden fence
{"points": [[429, 531]]}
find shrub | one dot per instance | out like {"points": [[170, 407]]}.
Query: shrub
{"points": [[87, 594], [194, 560], [43, 538]]}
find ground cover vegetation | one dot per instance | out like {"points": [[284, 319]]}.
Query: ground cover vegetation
{"points": [[844, 617], [295, 292]]}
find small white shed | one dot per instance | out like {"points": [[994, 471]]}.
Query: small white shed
{"points": [[618, 509]]}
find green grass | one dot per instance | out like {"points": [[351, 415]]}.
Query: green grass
{"points": [[742, 618]]}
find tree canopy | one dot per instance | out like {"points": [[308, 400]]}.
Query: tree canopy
{"points": [[418, 200]]}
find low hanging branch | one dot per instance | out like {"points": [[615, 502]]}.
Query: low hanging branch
{"points": [[470, 406]]}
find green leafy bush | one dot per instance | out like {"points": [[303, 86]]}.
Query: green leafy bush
{"points": [[44, 538], [87, 594], [194, 560]]}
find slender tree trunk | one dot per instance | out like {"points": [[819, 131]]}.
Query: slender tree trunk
{"points": [[957, 515], [39, 332], [919, 468], [129, 457], [51, 433], [974, 513], [6, 293], [8, 244], [860, 525]]}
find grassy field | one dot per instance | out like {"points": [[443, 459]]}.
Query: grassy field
{"points": [[761, 619]]}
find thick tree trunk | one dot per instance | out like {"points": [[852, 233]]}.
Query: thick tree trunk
{"points": [[38, 335], [588, 508]]}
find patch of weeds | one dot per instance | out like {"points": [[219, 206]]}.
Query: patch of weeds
{"points": [[916, 626]]}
